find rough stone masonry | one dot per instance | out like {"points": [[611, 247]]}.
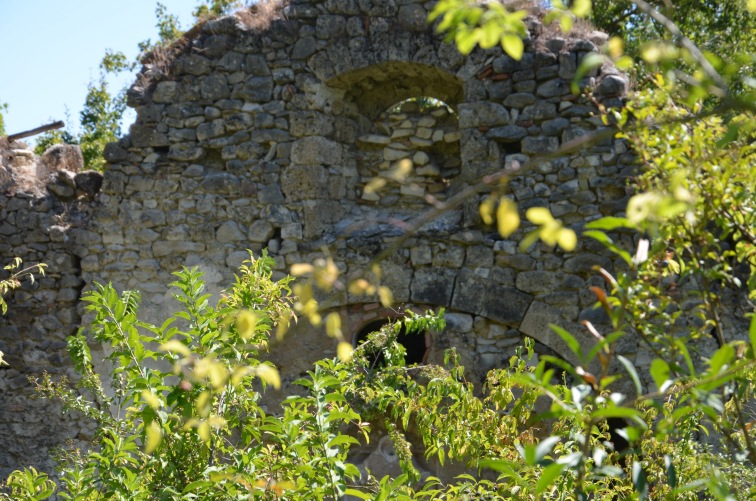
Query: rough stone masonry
{"points": [[272, 136]]}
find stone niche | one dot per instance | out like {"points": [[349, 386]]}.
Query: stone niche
{"points": [[333, 125]]}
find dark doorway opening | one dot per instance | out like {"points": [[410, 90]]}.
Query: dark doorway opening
{"points": [[414, 343]]}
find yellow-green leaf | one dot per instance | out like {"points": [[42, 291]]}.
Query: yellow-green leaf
{"points": [[567, 239], [175, 346], [245, 324], [752, 5], [151, 399], [539, 215], [615, 47], [513, 46], [489, 34], [565, 22], [344, 350], [333, 325], [624, 63], [487, 210], [466, 40], [581, 8], [507, 218], [202, 403], [387, 298], [374, 185], [300, 269], [203, 430], [402, 169], [269, 375], [153, 436]]}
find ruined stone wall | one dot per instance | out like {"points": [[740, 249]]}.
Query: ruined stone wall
{"points": [[39, 227], [274, 137]]}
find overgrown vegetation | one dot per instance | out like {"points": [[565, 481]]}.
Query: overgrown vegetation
{"points": [[192, 427]]}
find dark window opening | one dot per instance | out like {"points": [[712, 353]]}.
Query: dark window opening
{"points": [[512, 148], [413, 343]]}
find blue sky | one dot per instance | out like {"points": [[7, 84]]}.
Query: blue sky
{"points": [[52, 49]]}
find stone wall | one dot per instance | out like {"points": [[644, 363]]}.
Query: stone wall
{"points": [[299, 137], [39, 227]]}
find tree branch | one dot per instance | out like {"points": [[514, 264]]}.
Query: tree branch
{"points": [[685, 42]]}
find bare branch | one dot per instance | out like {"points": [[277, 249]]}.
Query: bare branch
{"points": [[33, 132]]}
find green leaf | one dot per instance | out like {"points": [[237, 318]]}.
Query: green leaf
{"points": [[721, 358], [630, 368], [544, 447], [607, 242], [620, 412], [78, 350], [490, 33], [671, 474], [513, 46], [568, 338], [659, 372], [466, 40], [500, 465], [730, 136], [548, 475], [752, 334], [197, 486], [358, 494], [639, 481], [341, 440]]}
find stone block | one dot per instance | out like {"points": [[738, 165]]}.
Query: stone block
{"points": [[507, 133], [482, 114], [316, 150], [432, 286], [165, 92], [459, 322], [539, 111], [537, 281], [506, 304], [584, 263], [221, 182], [171, 247], [261, 231], [519, 100], [613, 85], [147, 137], [254, 89], [229, 232], [305, 182], [539, 144], [185, 152], [209, 130]]}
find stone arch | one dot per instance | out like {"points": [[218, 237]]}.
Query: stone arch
{"points": [[376, 87]]}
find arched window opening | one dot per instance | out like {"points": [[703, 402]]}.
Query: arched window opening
{"points": [[377, 87], [413, 343], [412, 154]]}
